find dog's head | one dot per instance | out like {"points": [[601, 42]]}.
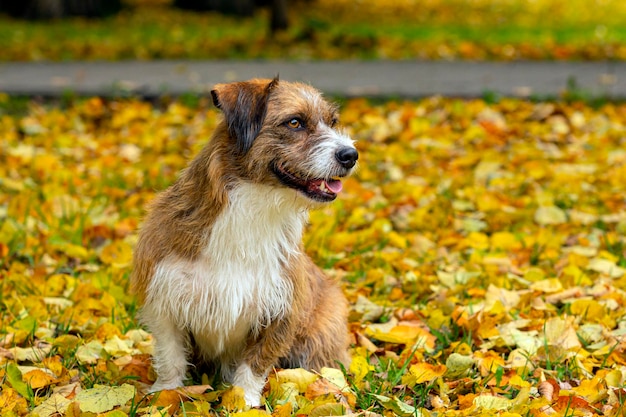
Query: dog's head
{"points": [[285, 134]]}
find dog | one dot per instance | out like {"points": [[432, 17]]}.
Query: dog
{"points": [[219, 267]]}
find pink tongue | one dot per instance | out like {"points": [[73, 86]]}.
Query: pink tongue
{"points": [[334, 185]]}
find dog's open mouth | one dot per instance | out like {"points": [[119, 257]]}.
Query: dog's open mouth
{"points": [[320, 189]]}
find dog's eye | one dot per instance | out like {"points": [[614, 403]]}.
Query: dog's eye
{"points": [[295, 123], [333, 122]]}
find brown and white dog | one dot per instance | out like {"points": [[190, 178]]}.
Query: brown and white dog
{"points": [[219, 266]]}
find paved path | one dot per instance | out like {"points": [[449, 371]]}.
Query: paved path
{"points": [[343, 78]]}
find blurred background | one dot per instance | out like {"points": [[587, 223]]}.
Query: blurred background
{"points": [[61, 30]]}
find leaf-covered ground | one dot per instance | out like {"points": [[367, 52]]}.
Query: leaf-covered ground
{"points": [[335, 29], [480, 245]]}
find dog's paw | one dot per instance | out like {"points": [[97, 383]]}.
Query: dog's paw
{"points": [[251, 383], [165, 385], [252, 399]]}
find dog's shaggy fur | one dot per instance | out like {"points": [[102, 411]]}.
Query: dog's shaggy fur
{"points": [[219, 266]]}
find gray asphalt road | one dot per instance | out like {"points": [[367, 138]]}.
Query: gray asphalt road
{"points": [[343, 78]]}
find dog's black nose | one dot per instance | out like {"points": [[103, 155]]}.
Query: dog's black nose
{"points": [[347, 157]]}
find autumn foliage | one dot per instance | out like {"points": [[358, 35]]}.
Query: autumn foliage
{"points": [[480, 245], [334, 29]]}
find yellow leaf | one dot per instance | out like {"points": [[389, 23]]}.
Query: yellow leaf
{"points": [[488, 362], [73, 251], [329, 409], [103, 398], [115, 346], [589, 387], [606, 266], [38, 378], [106, 331], [118, 254], [168, 398], [45, 162], [518, 382], [55, 284], [426, 372], [402, 334], [300, 377], [561, 332], [437, 319], [397, 406], [30, 354], [614, 378], [66, 343], [334, 376], [505, 241], [89, 353], [359, 367], [457, 365], [233, 399], [534, 274], [509, 299], [550, 215], [54, 364], [54, 405], [9, 231], [285, 410], [252, 413], [547, 285], [491, 402], [588, 310], [477, 240]]}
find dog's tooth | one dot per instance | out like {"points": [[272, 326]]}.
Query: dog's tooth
{"points": [[323, 186]]}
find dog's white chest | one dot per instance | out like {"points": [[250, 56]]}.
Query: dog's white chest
{"points": [[237, 285]]}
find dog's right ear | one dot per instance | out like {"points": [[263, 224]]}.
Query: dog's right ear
{"points": [[244, 105]]}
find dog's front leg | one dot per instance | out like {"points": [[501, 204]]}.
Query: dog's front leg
{"points": [[260, 356], [170, 353]]}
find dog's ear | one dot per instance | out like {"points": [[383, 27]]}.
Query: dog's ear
{"points": [[244, 105]]}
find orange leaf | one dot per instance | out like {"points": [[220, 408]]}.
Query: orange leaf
{"points": [[571, 402], [321, 387], [39, 379], [138, 367], [169, 398]]}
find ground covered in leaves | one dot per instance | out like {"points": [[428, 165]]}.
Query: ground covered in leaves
{"points": [[335, 29], [480, 245]]}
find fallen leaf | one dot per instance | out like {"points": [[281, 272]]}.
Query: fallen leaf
{"points": [[426, 372], [103, 398], [398, 407], [550, 215], [54, 405], [38, 378], [300, 377], [233, 399], [15, 378], [457, 365]]}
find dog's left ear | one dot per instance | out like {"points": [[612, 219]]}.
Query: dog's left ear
{"points": [[244, 105]]}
